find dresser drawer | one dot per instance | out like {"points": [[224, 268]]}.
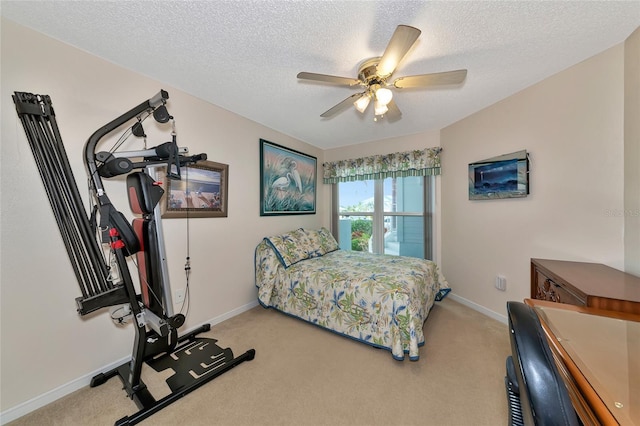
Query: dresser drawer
{"points": [[555, 290], [563, 294]]}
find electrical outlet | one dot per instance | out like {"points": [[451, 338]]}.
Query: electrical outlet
{"points": [[179, 296], [501, 283]]}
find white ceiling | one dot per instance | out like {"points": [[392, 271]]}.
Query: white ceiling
{"points": [[244, 55]]}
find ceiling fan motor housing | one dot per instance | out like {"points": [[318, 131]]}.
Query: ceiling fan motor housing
{"points": [[368, 72]]}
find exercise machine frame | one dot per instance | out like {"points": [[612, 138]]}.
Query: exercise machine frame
{"points": [[156, 341]]}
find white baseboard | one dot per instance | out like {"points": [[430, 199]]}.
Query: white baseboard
{"points": [[39, 401], [496, 316], [230, 314]]}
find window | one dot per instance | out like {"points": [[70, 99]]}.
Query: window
{"points": [[390, 216]]}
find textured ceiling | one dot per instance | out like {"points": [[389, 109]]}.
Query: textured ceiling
{"points": [[244, 55]]}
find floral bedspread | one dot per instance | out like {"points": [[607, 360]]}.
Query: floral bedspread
{"points": [[380, 300]]}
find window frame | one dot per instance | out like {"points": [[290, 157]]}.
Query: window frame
{"points": [[379, 214]]}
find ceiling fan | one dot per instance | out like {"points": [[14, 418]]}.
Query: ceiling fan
{"points": [[374, 75]]}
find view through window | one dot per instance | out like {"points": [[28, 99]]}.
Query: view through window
{"points": [[390, 216]]}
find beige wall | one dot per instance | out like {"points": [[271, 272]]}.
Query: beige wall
{"points": [[384, 146], [45, 344], [632, 154], [572, 126]]}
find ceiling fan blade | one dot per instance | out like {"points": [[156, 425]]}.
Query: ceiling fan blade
{"points": [[342, 105], [400, 43], [345, 81], [394, 113], [428, 80]]}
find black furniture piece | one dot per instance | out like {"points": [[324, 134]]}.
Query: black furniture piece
{"points": [[536, 393]]}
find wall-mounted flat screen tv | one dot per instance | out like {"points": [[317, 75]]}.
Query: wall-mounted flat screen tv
{"points": [[505, 176]]}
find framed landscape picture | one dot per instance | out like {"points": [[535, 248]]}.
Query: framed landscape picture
{"points": [[505, 176], [287, 181], [201, 191]]}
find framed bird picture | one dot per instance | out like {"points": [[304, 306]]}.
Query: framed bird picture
{"points": [[287, 181]]}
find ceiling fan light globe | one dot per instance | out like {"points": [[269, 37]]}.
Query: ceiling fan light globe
{"points": [[362, 103], [384, 95], [379, 108]]}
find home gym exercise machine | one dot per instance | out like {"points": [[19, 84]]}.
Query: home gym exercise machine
{"points": [[102, 244]]}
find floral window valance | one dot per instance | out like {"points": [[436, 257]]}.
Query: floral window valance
{"points": [[423, 162]]}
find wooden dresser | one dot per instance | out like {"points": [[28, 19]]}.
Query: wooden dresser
{"points": [[585, 284]]}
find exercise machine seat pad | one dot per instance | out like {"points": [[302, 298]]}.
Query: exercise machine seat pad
{"points": [[144, 193], [125, 230]]}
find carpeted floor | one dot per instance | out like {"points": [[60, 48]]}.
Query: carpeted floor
{"points": [[303, 375]]}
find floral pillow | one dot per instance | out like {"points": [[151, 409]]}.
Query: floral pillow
{"points": [[291, 247], [315, 243], [327, 242]]}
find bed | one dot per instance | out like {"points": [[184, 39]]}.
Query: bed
{"points": [[380, 300]]}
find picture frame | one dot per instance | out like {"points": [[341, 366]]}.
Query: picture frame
{"points": [[505, 176], [287, 181], [202, 191]]}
